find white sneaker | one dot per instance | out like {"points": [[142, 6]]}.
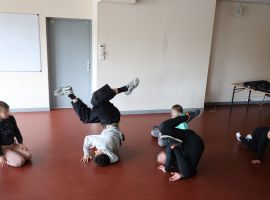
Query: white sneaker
{"points": [[238, 136], [63, 91], [170, 137], [249, 137], [132, 85]]}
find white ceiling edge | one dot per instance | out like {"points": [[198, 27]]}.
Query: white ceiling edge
{"points": [[119, 1]]}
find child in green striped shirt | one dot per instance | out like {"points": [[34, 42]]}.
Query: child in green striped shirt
{"points": [[176, 111]]}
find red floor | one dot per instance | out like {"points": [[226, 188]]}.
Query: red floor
{"points": [[55, 140]]}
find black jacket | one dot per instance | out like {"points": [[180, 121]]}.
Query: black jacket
{"points": [[8, 131], [185, 158]]}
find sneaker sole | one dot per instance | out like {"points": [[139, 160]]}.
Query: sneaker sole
{"points": [[60, 91], [170, 137], [135, 86]]}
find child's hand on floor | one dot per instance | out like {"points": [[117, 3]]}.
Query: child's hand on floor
{"points": [[22, 147], [2, 161], [86, 159], [176, 176], [256, 162], [162, 168]]}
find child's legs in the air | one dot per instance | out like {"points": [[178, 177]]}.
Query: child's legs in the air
{"points": [[103, 110], [103, 95], [107, 113], [86, 114], [13, 158], [106, 93]]}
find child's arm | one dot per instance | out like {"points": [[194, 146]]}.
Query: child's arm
{"points": [[87, 149], [87, 146], [17, 131]]}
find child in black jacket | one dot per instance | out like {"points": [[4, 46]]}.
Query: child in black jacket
{"points": [[12, 152], [257, 141]]}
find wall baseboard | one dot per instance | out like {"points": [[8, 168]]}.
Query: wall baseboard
{"points": [[128, 112], [234, 103], [156, 111], [45, 109]]}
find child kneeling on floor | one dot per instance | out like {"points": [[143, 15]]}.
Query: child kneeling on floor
{"points": [[12, 153]]}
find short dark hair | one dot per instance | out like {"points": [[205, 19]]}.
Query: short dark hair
{"points": [[102, 160], [3, 106], [177, 108]]}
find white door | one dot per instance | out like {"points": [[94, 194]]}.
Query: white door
{"points": [[69, 46]]}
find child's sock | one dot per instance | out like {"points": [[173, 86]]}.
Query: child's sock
{"points": [[72, 96], [122, 89], [238, 136]]}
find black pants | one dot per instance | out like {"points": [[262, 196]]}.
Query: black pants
{"points": [[187, 156], [103, 110], [251, 144]]}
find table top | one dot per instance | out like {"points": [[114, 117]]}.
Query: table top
{"points": [[249, 88]]}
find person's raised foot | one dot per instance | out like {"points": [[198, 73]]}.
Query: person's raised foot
{"points": [[63, 91], [249, 137], [199, 112], [195, 113], [132, 85], [238, 136], [155, 132]]}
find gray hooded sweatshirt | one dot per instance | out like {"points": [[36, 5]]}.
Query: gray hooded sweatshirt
{"points": [[109, 142]]}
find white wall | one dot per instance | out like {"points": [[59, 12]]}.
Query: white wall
{"points": [[165, 43], [30, 89], [240, 51]]}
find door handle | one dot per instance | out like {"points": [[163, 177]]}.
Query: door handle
{"points": [[88, 65]]}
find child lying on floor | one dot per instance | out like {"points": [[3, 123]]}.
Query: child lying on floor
{"points": [[104, 148], [12, 153], [257, 141], [176, 111]]}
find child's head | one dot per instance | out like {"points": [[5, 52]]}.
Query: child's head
{"points": [[102, 160], [4, 110], [161, 157], [176, 110]]}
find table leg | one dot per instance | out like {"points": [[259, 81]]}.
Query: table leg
{"points": [[249, 98], [233, 96], [263, 101]]}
